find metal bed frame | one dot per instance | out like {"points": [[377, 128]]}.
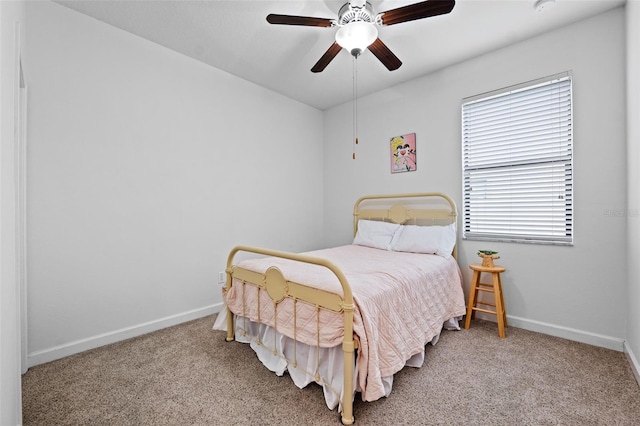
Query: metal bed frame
{"points": [[413, 208]]}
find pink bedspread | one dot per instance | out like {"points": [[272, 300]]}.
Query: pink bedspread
{"points": [[402, 300]]}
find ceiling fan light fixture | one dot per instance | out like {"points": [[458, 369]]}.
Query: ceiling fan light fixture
{"points": [[356, 36]]}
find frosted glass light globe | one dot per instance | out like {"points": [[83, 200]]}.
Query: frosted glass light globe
{"points": [[356, 36]]}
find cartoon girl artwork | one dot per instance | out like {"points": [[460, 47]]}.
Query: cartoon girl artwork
{"points": [[403, 153]]}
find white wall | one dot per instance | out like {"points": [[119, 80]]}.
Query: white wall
{"points": [[578, 292], [11, 36], [633, 173], [145, 168]]}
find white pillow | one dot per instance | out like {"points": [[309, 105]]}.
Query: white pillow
{"points": [[376, 234], [438, 240]]}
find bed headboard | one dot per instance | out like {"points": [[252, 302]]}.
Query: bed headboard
{"points": [[424, 208]]}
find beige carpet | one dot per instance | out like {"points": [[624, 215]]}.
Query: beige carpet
{"points": [[189, 375]]}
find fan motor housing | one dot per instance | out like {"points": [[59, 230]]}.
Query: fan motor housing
{"points": [[350, 13]]}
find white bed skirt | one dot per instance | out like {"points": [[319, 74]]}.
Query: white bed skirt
{"points": [[280, 353]]}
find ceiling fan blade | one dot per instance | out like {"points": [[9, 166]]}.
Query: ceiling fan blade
{"points": [[299, 20], [415, 11], [385, 55], [328, 56]]}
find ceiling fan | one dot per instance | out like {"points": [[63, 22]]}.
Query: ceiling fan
{"points": [[358, 24]]}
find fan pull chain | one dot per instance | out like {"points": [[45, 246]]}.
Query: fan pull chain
{"points": [[355, 106]]}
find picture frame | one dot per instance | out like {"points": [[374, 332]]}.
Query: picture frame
{"points": [[403, 153]]}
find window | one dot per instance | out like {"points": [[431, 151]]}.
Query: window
{"points": [[517, 156]]}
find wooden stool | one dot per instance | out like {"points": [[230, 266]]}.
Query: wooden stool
{"points": [[495, 287]]}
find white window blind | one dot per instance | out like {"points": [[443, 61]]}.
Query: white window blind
{"points": [[518, 163]]}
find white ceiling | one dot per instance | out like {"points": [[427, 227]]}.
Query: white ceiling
{"points": [[234, 36]]}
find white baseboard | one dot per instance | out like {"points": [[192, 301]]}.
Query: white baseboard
{"points": [[58, 352], [582, 336], [51, 354], [633, 362]]}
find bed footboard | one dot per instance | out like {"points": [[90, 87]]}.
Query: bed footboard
{"points": [[278, 288]]}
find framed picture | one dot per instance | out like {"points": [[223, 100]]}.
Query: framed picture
{"points": [[403, 153]]}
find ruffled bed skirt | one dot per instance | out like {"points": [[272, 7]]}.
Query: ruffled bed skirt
{"points": [[306, 364]]}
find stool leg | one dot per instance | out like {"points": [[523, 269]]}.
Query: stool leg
{"points": [[497, 293], [473, 294], [504, 307]]}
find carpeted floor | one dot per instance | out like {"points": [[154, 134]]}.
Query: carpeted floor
{"points": [[189, 375]]}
